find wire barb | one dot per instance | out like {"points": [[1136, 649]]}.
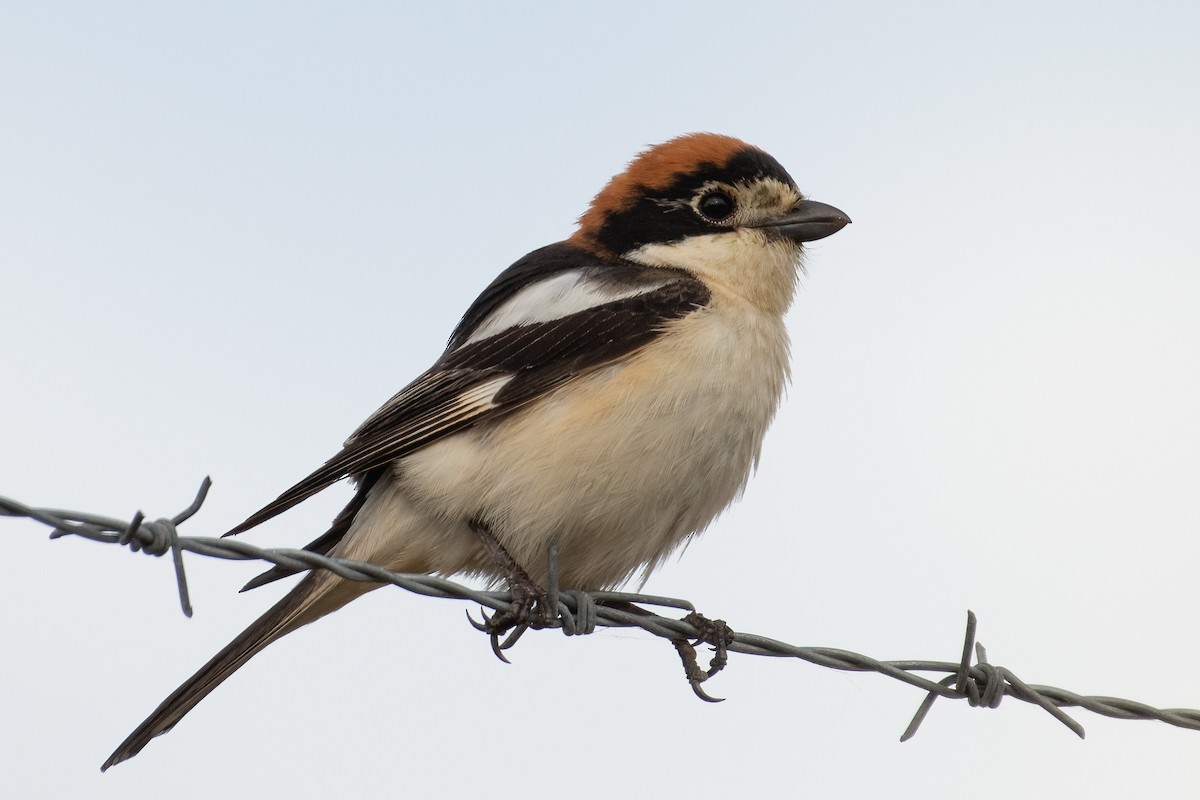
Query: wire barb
{"points": [[981, 684], [984, 685]]}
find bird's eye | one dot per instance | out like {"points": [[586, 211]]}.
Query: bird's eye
{"points": [[716, 206]]}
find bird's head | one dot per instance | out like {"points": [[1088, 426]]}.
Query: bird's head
{"points": [[715, 206]]}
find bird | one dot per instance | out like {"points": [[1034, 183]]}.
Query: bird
{"points": [[605, 396]]}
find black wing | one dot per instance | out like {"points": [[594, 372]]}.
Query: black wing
{"points": [[479, 380]]}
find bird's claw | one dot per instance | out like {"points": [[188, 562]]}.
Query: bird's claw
{"points": [[714, 632], [479, 626], [703, 695], [527, 609], [498, 647]]}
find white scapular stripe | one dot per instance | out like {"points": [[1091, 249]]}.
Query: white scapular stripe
{"points": [[554, 298]]}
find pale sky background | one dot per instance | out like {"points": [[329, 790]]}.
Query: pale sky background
{"points": [[229, 231]]}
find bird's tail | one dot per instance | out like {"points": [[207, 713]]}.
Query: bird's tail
{"points": [[318, 594]]}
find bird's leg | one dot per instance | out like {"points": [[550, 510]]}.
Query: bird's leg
{"points": [[526, 595], [550, 606], [514, 573]]}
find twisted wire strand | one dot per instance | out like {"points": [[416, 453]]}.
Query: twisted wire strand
{"points": [[979, 683]]}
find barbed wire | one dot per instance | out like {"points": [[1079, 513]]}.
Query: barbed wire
{"points": [[980, 683]]}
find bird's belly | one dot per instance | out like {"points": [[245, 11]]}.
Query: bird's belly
{"points": [[617, 467]]}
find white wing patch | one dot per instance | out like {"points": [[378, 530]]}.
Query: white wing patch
{"points": [[473, 401], [470, 403], [547, 300]]}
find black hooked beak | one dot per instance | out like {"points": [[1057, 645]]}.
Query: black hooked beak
{"points": [[809, 221]]}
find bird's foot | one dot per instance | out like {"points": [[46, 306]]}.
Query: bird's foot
{"points": [[711, 631], [530, 605], [527, 609]]}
